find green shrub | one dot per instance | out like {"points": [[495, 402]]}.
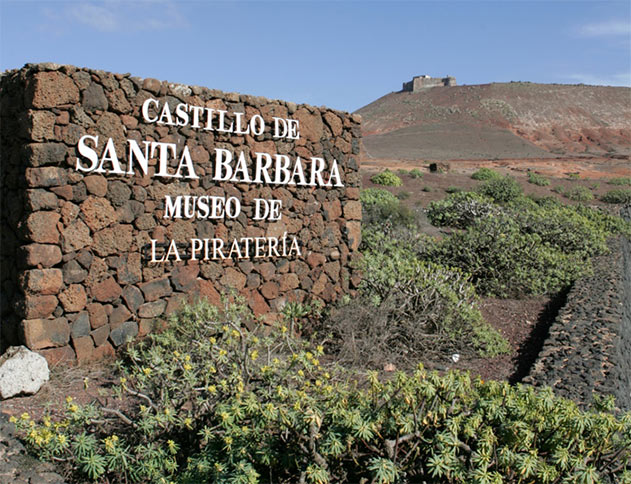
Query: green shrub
{"points": [[574, 176], [379, 196], [537, 179], [460, 209], [621, 195], [558, 189], [387, 178], [528, 245], [415, 173], [485, 174], [501, 190], [504, 261], [429, 307], [579, 194], [403, 195], [594, 186], [402, 172], [453, 189], [623, 180], [427, 188], [383, 208], [210, 402]]}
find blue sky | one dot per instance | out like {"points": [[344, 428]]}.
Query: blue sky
{"points": [[342, 54]]}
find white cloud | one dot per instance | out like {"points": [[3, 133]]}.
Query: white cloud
{"points": [[607, 28], [622, 79], [119, 16], [99, 17]]}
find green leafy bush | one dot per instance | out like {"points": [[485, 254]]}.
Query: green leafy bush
{"points": [[427, 188], [537, 179], [415, 173], [460, 209], [453, 189], [505, 261], [623, 180], [387, 178], [485, 174], [620, 195], [502, 189], [429, 307], [210, 402], [579, 194], [381, 207], [403, 195], [379, 196]]}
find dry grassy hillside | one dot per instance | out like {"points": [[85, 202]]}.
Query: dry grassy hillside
{"points": [[499, 121]]}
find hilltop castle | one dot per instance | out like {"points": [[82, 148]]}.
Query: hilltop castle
{"points": [[419, 83]]}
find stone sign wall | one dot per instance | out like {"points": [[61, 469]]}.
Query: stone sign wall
{"points": [[123, 196]]}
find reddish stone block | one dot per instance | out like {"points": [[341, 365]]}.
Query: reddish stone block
{"points": [[334, 122], [96, 185], [58, 356], [75, 237], [103, 351], [332, 210], [51, 89], [269, 290], [74, 298], [233, 279], [98, 213], [44, 333], [42, 227], [65, 191], [175, 302], [319, 284], [257, 303], [314, 259], [42, 281], [184, 278], [288, 282], [207, 290], [98, 315], [119, 315], [353, 210], [106, 291], [41, 255], [353, 234], [34, 307], [113, 240], [267, 270], [84, 349], [42, 125]]}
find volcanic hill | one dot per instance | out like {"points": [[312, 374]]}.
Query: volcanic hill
{"points": [[499, 121]]}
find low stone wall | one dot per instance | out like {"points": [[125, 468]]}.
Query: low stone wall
{"points": [[589, 345], [122, 196]]}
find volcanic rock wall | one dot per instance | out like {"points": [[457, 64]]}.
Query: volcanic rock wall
{"points": [[118, 202], [588, 350]]}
